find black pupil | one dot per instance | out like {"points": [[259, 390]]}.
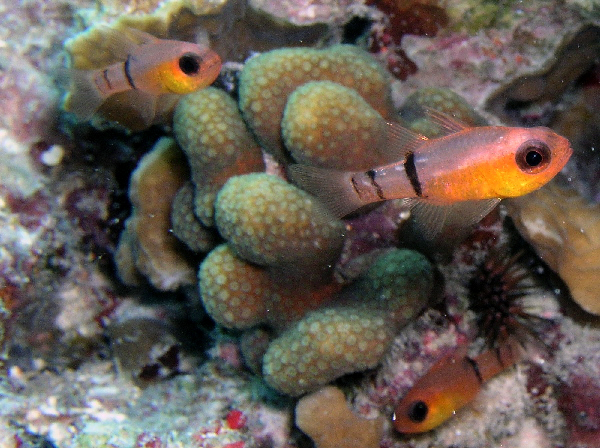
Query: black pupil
{"points": [[189, 64], [533, 158], [418, 411]]}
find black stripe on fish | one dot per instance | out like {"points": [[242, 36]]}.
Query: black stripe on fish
{"points": [[371, 174], [106, 80], [355, 186], [411, 173], [475, 367], [127, 73]]}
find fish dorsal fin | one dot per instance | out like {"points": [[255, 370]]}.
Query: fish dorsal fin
{"points": [[449, 124], [435, 222], [123, 42], [455, 355], [400, 140]]}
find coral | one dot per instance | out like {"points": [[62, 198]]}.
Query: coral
{"points": [[208, 126], [399, 282], [186, 226], [564, 229], [332, 342], [325, 345], [326, 418], [306, 12], [146, 245], [321, 117], [234, 293], [270, 222], [267, 81], [444, 100]]}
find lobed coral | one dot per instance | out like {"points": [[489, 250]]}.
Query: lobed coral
{"points": [[331, 342], [146, 246], [267, 81], [271, 222], [319, 119], [210, 130], [564, 229], [325, 416]]}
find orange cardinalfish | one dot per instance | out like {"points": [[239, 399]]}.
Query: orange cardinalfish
{"points": [[148, 66], [464, 172], [452, 383]]}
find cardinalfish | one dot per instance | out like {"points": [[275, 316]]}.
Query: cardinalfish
{"points": [[147, 66], [452, 383], [469, 169]]}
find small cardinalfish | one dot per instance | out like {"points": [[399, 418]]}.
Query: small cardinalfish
{"points": [[466, 171], [452, 383], [147, 66]]}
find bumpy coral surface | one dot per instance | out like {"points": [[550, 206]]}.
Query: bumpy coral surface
{"points": [[210, 129], [186, 226], [319, 120], [329, 343], [270, 222], [326, 345], [565, 231], [234, 293], [267, 80], [399, 282]]}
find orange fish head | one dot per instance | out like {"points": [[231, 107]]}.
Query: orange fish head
{"points": [[423, 409], [532, 157], [193, 67]]}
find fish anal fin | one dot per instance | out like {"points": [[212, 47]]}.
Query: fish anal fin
{"points": [[436, 223], [448, 124], [400, 141], [133, 109], [332, 187]]}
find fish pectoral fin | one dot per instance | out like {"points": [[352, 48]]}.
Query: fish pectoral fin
{"points": [[436, 222], [449, 124], [400, 141]]}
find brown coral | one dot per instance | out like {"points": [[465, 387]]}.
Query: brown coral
{"points": [[147, 245], [565, 232], [325, 416]]}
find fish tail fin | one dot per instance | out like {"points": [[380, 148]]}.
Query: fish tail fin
{"points": [[84, 97], [332, 187]]}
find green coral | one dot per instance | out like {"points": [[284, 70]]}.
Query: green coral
{"points": [[329, 343]]}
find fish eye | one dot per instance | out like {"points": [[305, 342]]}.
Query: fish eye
{"points": [[533, 156], [418, 411], [189, 64]]}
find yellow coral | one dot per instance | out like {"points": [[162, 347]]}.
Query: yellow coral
{"points": [[267, 81], [322, 117], [565, 232], [326, 418]]}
